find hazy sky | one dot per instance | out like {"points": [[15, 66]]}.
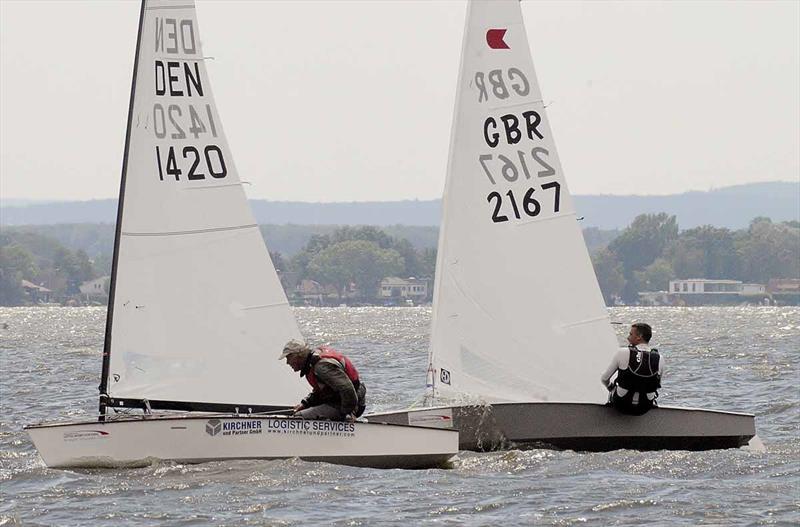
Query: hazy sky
{"points": [[352, 101]]}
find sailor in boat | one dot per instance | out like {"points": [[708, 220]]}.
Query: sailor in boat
{"points": [[638, 370], [337, 391]]}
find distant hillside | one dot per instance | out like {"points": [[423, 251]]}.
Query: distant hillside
{"points": [[50, 213], [731, 207], [97, 239]]}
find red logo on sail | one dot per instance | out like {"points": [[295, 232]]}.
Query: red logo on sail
{"points": [[494, 37]]}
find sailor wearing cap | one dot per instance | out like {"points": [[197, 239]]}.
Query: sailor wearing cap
{"points": [[337, 391]]}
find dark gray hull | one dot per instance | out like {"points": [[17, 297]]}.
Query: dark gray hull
{"points": [[581, 426]]}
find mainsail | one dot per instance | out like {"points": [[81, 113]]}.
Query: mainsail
{"points": [[197, 314], [518, 312]]}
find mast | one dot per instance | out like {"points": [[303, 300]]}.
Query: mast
{"points": [[103, 388], [431, 375]]}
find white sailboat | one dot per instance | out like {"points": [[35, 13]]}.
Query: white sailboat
{"points": [[519, 321], [197, 315]]}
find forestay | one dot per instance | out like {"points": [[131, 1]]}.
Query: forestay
{"points": [[518, 312], [198, 312]]}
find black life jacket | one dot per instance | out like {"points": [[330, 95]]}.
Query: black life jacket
{"points": [[642, 373]]}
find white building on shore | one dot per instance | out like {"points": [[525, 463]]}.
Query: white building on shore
{"points": [[413, 288], [698, 286], [95, 289]]}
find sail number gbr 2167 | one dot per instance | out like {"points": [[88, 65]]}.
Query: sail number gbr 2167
{"points": [[527, 203]]}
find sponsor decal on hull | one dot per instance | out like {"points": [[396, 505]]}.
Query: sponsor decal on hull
{"points": [[85, 435], [238, 427], [219, 427], [310, 428], [440, 418]]}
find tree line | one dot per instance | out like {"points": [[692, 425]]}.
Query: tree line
{"points": [[642, 257], [343, 257], [652, 251], [43, 261], [360, 256]]}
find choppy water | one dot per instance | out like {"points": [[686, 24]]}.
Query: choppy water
{"points": [[742, 359]]}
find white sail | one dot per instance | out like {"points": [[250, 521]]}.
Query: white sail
{"points": [[199, 314], [518, 312]]}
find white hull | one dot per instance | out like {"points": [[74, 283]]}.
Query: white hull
{"points": [[194, 439], [581, 426]]}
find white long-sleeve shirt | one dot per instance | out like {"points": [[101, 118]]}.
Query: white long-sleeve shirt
{"points": [[620, 362]]}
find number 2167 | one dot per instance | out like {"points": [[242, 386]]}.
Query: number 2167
{"points": [[530, 205]]}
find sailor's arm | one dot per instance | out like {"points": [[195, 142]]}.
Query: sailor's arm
{"points": [[616, 363], [605, 378], [307, 402]]}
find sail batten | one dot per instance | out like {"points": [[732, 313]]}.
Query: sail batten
{"points": [[565, 216], [535, 103], [199, 231], [162, 7]]}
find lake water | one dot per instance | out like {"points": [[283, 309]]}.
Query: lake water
{"points": [[742, 359]]}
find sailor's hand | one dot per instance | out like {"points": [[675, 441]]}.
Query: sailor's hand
{"points": [[350, 418], [297, 408]]}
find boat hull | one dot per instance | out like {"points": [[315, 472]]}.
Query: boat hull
{"points": [[581, 426], [194, 439]]}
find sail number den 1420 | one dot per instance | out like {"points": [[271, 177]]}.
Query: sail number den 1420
{"points": [[176, 78]]}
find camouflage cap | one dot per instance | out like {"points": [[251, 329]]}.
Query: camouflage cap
{"points": [[293, 346]]}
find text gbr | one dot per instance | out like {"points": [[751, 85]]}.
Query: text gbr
{"points": [[512, 129]]}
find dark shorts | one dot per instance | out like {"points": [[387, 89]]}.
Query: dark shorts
{"points": [[626, 406]]}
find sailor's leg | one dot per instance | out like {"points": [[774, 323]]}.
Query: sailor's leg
{"points": [[323, 411]]}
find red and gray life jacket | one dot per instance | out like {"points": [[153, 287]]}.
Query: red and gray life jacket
{"points": [[642, 374], [326, 352]]}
